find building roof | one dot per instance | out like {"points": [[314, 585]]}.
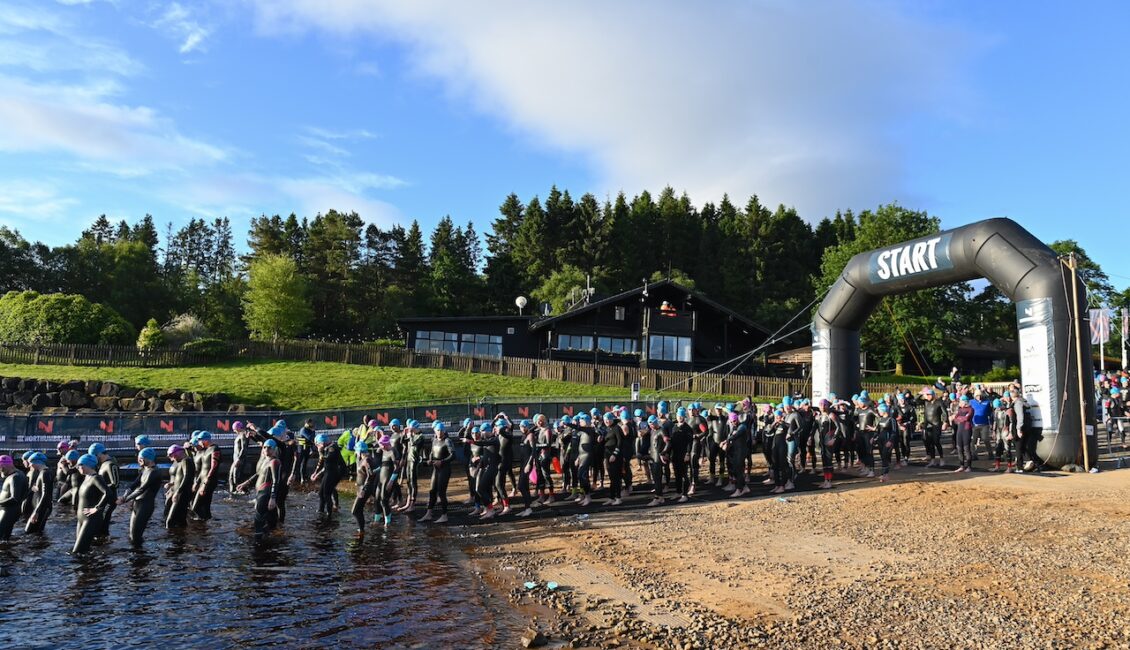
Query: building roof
{"points": [[442, 319], [544, 322]]}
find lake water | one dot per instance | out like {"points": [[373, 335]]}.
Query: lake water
{"points": [[314, 585]]}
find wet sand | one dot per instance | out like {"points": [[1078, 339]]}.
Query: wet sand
{"points": [[931, 560]]}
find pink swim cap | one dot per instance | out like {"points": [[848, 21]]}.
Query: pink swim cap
{"points": [[238, 425], [734, 417], [385, 440], [6, 461]]}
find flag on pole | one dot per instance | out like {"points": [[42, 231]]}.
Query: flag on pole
{"points": [[1100, 326], [1125, 325]]}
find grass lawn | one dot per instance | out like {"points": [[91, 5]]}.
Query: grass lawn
{"points": [[297, 385]]}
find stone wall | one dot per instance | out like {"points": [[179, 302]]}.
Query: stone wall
{"points": [[40, 395]]}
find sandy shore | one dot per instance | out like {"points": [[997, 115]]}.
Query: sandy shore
{"points": [[929, 561]]}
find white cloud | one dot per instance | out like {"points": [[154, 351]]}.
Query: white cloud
{"points": [[33, 200], [179, 23], [81, 120], [798, 102]]}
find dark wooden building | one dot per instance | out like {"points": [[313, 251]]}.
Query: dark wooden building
{"points": [[661, 325]]}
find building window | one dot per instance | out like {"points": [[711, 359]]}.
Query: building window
{"points": [[574, 342], [669, 348], [616, 345], [453, 343], [619, 313], [509, 330]]}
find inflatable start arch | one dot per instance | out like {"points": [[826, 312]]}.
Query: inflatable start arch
{"points": [[1051, 333]]}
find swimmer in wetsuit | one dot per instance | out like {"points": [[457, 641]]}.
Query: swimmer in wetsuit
{"points": [[94, 496], [208, 461], [13, 492], [178, 491], [390, 462], [439, 457], [330, 470], [268, 480], [142, 493], [108, 469], [367, 477], [41, 489], [72, 479]]}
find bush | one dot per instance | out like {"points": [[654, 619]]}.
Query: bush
{"points": [[184, 329], [30, 317], [1001, 374], [151, 336], [390, 343], [208, 348]]}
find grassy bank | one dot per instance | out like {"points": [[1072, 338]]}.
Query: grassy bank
{"points": [[294, 385]]}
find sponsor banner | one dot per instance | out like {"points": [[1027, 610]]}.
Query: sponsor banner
{"points": [[1100, 326], [821, 366], [1037, 361]]}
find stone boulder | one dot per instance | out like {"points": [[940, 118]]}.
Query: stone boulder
{"points": [[177, 406], [155, 404], [56, 410], [74, 385], [93, 387], [11, 384], [44, 400], [109, 389], [26, 384], [22, 397], [237, 409], [168, 393], [73, 398], [127, 392], [105, 403], [16, 410], [131, 404]]}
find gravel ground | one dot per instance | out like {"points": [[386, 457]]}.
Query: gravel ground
{"points": [[927, 561]]}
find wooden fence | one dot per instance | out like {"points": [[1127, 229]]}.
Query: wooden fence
{"points": [[650, 380]]}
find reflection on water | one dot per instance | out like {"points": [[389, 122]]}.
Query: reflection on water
{"points": [[315, 585]]}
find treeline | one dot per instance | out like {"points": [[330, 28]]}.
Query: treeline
{"points": [[766, 263]]}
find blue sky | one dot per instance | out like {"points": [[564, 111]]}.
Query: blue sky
{"points": [[416, 110]]}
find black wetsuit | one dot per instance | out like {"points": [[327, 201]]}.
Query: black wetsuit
{"points": [[568, 445], [907, 417], [887, 439], [545, 450], [182, 475], [286, 466], [268, 482], [737, 448], [586, 454], [108, 469], [526, 449], [440, 455], [93, 493], [415, 457], [390, 462], [41, 489], [679, 448], [239, 455], [933, 415], [657, 453], [207, 477], [143, 494], [718, 434], [613, 453], [488, 462], [867, 421], [700, 434], [827, 434], [367, 479], [506, 440], [628, 451], [69, 489], [777, 437], [305, 451], [12, 495], [333, 469]]}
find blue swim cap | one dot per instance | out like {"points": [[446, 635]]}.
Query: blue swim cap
{"points": [[484, 427], [953, 396], [26, 455], [730, 407], [466, 421], [594, 411], [639, 413], [662, 403], [204, 435], [194, 434], [142, 440], [270, 443], [395, 422], [682, 412], [662, 408], [651, 419], [321, 439], [499, 423], [72, 456], [832, 395], [438, 426], [965, 398], [584, 417], [525, 424], [996, 403], [864, 394], [38, 458], [883, 407], [96, 448], [149, 454], [778, 412], [565, 419], [412, 424], [786, 401], [88, 460], [362, 447], [608, 417], [1115, 391]]}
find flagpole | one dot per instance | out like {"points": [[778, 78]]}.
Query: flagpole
{"points": [[1125, 328]]}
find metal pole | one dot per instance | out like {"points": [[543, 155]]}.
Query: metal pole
{"points": [[1079, 354]]}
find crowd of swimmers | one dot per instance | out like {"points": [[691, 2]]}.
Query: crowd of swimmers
{"points": [[513, 466]]}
